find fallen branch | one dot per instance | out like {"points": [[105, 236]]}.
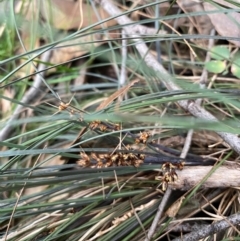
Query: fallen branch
{"points": [[224, 176], [216, 227], [134, 30]]}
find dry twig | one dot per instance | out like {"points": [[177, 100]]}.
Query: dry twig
{"points": [[224, 176], [27, 98], [158, 214]]}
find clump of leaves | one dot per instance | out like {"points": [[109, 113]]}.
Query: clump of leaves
{"points": [[222, 58]]}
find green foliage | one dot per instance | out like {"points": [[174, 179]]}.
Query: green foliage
{"points": [[235, 67], [220, 52], [222, 58], [215, 66]]}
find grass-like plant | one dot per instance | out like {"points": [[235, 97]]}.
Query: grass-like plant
{"points": [[117, 128]]}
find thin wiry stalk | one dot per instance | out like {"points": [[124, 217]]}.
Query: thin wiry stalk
{"points": [[158, 215]]}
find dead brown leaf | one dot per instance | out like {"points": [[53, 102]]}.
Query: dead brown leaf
{"points": [[115, 95], [226, 24], [174, 208], [201, 22], [75, 48], [62, 15], [67, 15]]}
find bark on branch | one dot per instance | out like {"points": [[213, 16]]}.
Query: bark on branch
{"points": [[224, 176], [233, 220]]}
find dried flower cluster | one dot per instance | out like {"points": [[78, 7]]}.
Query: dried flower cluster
{"points": [[168, 173], [126, 156], [142, 138], [104, 126], [99, 160], [123, 157]]}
